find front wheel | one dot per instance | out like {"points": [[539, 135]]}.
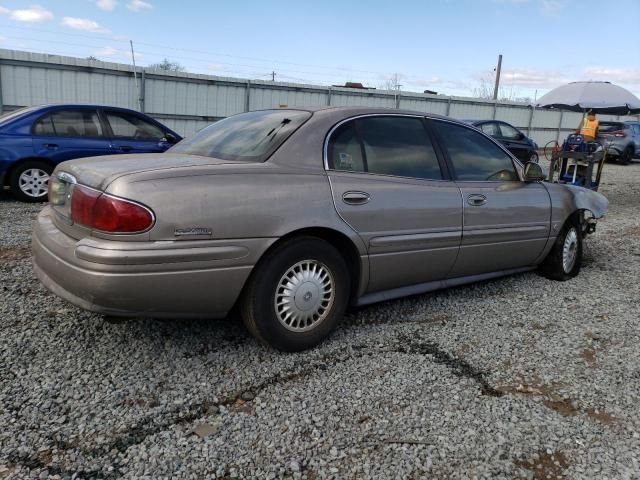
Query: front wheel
{"points": [[29, 181], [297, 295], [565, 258]]}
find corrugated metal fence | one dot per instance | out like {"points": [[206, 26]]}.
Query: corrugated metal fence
{"points": [[186, 102]]}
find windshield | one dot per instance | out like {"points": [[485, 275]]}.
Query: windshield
{"points": [[610, 126], [248, 137]]}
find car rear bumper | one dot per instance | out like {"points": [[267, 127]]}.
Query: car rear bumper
{"points": [[154, 279]]}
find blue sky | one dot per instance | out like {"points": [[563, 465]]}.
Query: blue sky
{"points": [[450, 46]]}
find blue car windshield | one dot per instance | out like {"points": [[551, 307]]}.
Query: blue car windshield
{"points": [[248, 137]]}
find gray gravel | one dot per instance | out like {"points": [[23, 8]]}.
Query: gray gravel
{"points": [[519, 377]]}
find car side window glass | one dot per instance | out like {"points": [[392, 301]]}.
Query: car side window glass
{"points": [[69, 123], [490, 129], [509, 132], [130, 126], [44, 126], [398, 146], [473, 156], [344, 149]]}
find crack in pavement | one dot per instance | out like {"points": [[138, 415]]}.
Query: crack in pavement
{"points": [[181, 415], [457, 366]]}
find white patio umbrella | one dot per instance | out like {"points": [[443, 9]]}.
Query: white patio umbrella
{"points": [[601, 97]]}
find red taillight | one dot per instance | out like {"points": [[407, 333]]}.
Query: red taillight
{"points": [[103, 212]]}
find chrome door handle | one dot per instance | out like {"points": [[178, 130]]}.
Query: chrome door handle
{"points": [[476, 200], [356, 198]]}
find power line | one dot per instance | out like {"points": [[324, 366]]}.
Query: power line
{"points": [[168, 47]]}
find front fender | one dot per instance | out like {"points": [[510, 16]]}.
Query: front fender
{"points": [[569, 199]]}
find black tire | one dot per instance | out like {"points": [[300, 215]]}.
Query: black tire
{"points": [[259, 307], [627, 155], [20, 189], [553, 266]]}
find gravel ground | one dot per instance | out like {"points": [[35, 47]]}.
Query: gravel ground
{"points": [[520, 377]]}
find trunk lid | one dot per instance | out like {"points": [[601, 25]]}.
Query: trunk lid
{"points": [[99, 172]]}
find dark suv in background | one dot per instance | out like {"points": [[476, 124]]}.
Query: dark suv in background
{"points": [[621, 138], [34, 140]]}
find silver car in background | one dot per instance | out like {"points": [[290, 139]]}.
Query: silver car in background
{"points": [[295, 214]]}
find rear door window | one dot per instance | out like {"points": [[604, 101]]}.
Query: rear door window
{"points": [[69, 123], [125, 125], [398, 146], [473, 156], [386, 145]]}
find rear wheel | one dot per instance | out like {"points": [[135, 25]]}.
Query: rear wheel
{"points": [[29, 181], [626, 156], [565, 258], [297, 295]]}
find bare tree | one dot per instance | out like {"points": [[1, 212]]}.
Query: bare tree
{"points": [[392, 83], [505, 94], [91, 57], [167, 65]]}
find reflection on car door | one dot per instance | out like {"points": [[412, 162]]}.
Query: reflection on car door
{"points": [[387, 185], [506, 221], [70, 133], [131, 133]]}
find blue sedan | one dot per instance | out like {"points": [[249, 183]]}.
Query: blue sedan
{"points": [[34, 140]]}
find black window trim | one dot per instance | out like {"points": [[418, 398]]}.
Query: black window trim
{"points": [[517, 164], [444, 168], [104, 135]]}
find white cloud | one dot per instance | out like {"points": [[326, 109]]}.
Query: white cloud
{"points": [[115, 53], [83, 24], [107, 52], [106, 5], [34, 14], [4, 11], [625, 76], [138, 5], [552, 8]]}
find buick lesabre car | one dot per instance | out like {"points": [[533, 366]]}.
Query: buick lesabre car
{"points": [[295, 214]]}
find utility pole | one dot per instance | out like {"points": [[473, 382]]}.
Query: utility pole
{"points": [[273, 76], [495, 89], [135, 76]]}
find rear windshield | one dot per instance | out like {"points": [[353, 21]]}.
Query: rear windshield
{"points": [[5, 117], [248, 137], [610, 126]]}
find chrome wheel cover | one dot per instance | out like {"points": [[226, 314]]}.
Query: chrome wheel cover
{"points": [[34, 182], [304, 296], [570, 250]]}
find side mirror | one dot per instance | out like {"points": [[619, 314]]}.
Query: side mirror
{"points": [[533, 172], [170, 138]]}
